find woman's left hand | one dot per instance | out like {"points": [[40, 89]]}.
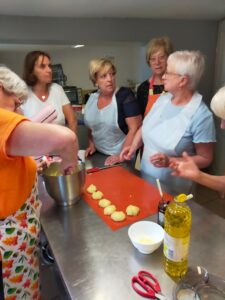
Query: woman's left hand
{"points": [[113, 159], [160, 160]]}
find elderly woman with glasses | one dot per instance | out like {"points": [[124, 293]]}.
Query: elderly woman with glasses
{"points": [[157, 53], [179, 121], [19, 202]]}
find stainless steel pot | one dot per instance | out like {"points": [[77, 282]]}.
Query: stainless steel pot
{"points": [[64, 189]]}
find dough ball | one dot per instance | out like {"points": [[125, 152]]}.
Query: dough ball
{"points": [[132, 210], [91, 189], [104, 203], [109, 210], [97, 195], [118, 216]]}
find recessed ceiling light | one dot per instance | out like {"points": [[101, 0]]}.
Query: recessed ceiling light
{"points": [[77, 46]]}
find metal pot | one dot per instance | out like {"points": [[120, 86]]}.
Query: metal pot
{"points": [[64, 189]]}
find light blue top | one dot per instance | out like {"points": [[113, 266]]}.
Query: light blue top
{"points": [[172, 129], [200, 130]]}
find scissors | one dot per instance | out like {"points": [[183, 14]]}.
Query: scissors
{"points": [[149, 284]]}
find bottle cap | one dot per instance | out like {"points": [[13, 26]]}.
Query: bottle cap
{"points": [[182, 198]]}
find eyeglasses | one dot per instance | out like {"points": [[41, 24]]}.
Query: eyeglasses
{"points": [[171, 74], [19, 102], [157, 59]]}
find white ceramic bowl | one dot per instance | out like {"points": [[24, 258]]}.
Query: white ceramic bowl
{"points": [[146, 236]]}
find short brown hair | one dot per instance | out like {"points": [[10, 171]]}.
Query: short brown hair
{"points": [[28, 67], [97, 65], [156, 43]]}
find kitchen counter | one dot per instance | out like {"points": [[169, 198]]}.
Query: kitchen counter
{"points": [[97, 263]]}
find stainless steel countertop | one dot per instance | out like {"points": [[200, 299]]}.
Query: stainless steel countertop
{"points": [[97, 263]]}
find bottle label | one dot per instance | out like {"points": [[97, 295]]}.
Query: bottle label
{"points": [[161, 216], [176, 249]]}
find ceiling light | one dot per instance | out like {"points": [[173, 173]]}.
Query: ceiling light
{"points": [[77, 46]]}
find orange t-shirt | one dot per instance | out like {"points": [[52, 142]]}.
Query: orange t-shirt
{"points": [[17, 173]]}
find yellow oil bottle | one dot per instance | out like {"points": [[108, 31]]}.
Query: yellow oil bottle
{"points": [[177, 236]]}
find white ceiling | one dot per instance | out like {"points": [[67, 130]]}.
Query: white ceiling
{"points": [[170, 9]]}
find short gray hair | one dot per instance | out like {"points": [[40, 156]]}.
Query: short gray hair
{"points": [[218, 103], [12, 83], [189, 63]]}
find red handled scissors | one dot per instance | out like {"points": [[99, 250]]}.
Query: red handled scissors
{"points": [[150, 287]]}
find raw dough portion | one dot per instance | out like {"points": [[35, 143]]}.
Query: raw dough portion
{"points": [[109, 210], [97, 195], [132, 210], [104, 203], [118, 216], [91, 189]]}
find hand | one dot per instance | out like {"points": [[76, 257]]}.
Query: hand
{"points": [[160, 160], [126, 153], [185, 168], [67, 168], [68, 171], [90, 150], [111, 160]]}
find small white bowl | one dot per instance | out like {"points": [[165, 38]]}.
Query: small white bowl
{"points": [[146, 236]]}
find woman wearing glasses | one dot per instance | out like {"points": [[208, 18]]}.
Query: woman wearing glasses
{"points": [[156, 57], [179, 121], [19, 202]]}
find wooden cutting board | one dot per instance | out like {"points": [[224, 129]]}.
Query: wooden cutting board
{"points": [[123, 188]]}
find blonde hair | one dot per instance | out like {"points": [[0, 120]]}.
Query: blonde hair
{"points": [[12, 83], [99, 64], [218, 103], [190, 63], [155, 44]]}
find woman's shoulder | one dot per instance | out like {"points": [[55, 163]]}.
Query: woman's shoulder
{"points": [[123, 93], [55, 87], [91, 99], [204, 109], [164, 97], [143, 86], [203, 116], [93, 96]]}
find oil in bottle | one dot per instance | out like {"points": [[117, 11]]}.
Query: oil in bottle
{"points": [[177, 237]]}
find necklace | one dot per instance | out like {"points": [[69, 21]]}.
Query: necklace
{"points": [[42, 93], [43, 97]]}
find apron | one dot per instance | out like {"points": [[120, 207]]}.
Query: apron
{"points": [[19, 237], [151, 96], [163, 136], [107, 136]]}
